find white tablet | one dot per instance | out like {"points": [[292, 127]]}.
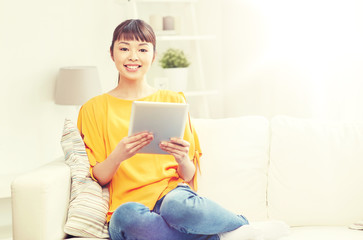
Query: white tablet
{"points": [[164, 120]]}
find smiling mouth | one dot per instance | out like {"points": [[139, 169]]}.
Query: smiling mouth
{"points": [[132, 67]]}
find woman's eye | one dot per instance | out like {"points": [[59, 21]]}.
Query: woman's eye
{"points": [[143, 50], [123, 49]]}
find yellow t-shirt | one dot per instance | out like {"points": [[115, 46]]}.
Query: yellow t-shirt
{"points": [[144, 178]]}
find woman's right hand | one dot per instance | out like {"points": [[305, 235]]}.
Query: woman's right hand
{"points": [[125, 149], [129, 146]]}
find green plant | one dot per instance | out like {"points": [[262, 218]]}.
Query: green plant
{"points": [[174, 58]]}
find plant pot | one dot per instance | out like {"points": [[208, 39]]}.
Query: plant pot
{"points": [[177, 78]]}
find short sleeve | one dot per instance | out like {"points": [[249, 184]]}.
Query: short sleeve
{"points": [[90, 129], [196, 158], [196, 155]]}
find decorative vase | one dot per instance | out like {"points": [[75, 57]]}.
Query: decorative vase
{"points": [[177, 78]]}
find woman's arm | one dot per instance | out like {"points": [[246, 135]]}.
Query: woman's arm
{"points": [[179, 148], [125, 149]]}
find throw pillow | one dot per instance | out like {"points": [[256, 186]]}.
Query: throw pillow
{"points": [[89, 202]]}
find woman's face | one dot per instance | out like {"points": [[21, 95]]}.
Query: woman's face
{"points": [[133, 59]]}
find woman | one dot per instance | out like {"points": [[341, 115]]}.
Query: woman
{"points": [[151, 195]]}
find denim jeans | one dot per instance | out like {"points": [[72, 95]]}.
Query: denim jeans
{"points": [[180, 215]]}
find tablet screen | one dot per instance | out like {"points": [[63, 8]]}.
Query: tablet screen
{"points": [[164, 120]]}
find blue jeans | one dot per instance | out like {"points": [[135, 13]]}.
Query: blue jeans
{"points": [[180, 215]]}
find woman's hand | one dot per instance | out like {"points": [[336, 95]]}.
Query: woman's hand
{"points": [[125, 149], [129, 146], [179, 148]]}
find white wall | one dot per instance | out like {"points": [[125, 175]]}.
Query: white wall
{"points": [[37, 38], [301, 58]]}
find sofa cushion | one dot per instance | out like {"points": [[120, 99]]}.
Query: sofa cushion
{"points": [[315, 175], [234, 163], [88, 205], [40, 200]]}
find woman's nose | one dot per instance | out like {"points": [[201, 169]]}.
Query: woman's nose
{"points": [[133, 56]]}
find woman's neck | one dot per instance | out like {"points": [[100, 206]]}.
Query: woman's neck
{"points": [[132, 90]]}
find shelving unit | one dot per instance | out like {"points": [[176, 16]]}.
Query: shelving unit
{"points": [[193, 38]]}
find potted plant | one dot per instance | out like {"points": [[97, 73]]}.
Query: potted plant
{"points": [[175, 66]]}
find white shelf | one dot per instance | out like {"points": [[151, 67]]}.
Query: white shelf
{"points": [[183, 37], [200, 93], [165, 1]]}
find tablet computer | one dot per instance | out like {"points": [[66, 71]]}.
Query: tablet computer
{"points": [[164, 120]]}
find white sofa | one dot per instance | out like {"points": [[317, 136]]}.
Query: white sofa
{"points": [[306, 173]]}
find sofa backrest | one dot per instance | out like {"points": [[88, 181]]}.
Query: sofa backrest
{"points": [[316, 172], [234, 163], [303, 172]]}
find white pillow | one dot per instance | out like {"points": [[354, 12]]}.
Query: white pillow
{"points": [[316, 172], [234, 163], [89, 202]]}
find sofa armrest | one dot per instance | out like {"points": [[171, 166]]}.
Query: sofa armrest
{"points": [[40, 201]]}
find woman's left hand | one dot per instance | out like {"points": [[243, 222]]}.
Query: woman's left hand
{"points": [[177, 147]]}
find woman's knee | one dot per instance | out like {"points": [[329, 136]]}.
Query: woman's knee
{"points": [[128, 216], [179, 205]]}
